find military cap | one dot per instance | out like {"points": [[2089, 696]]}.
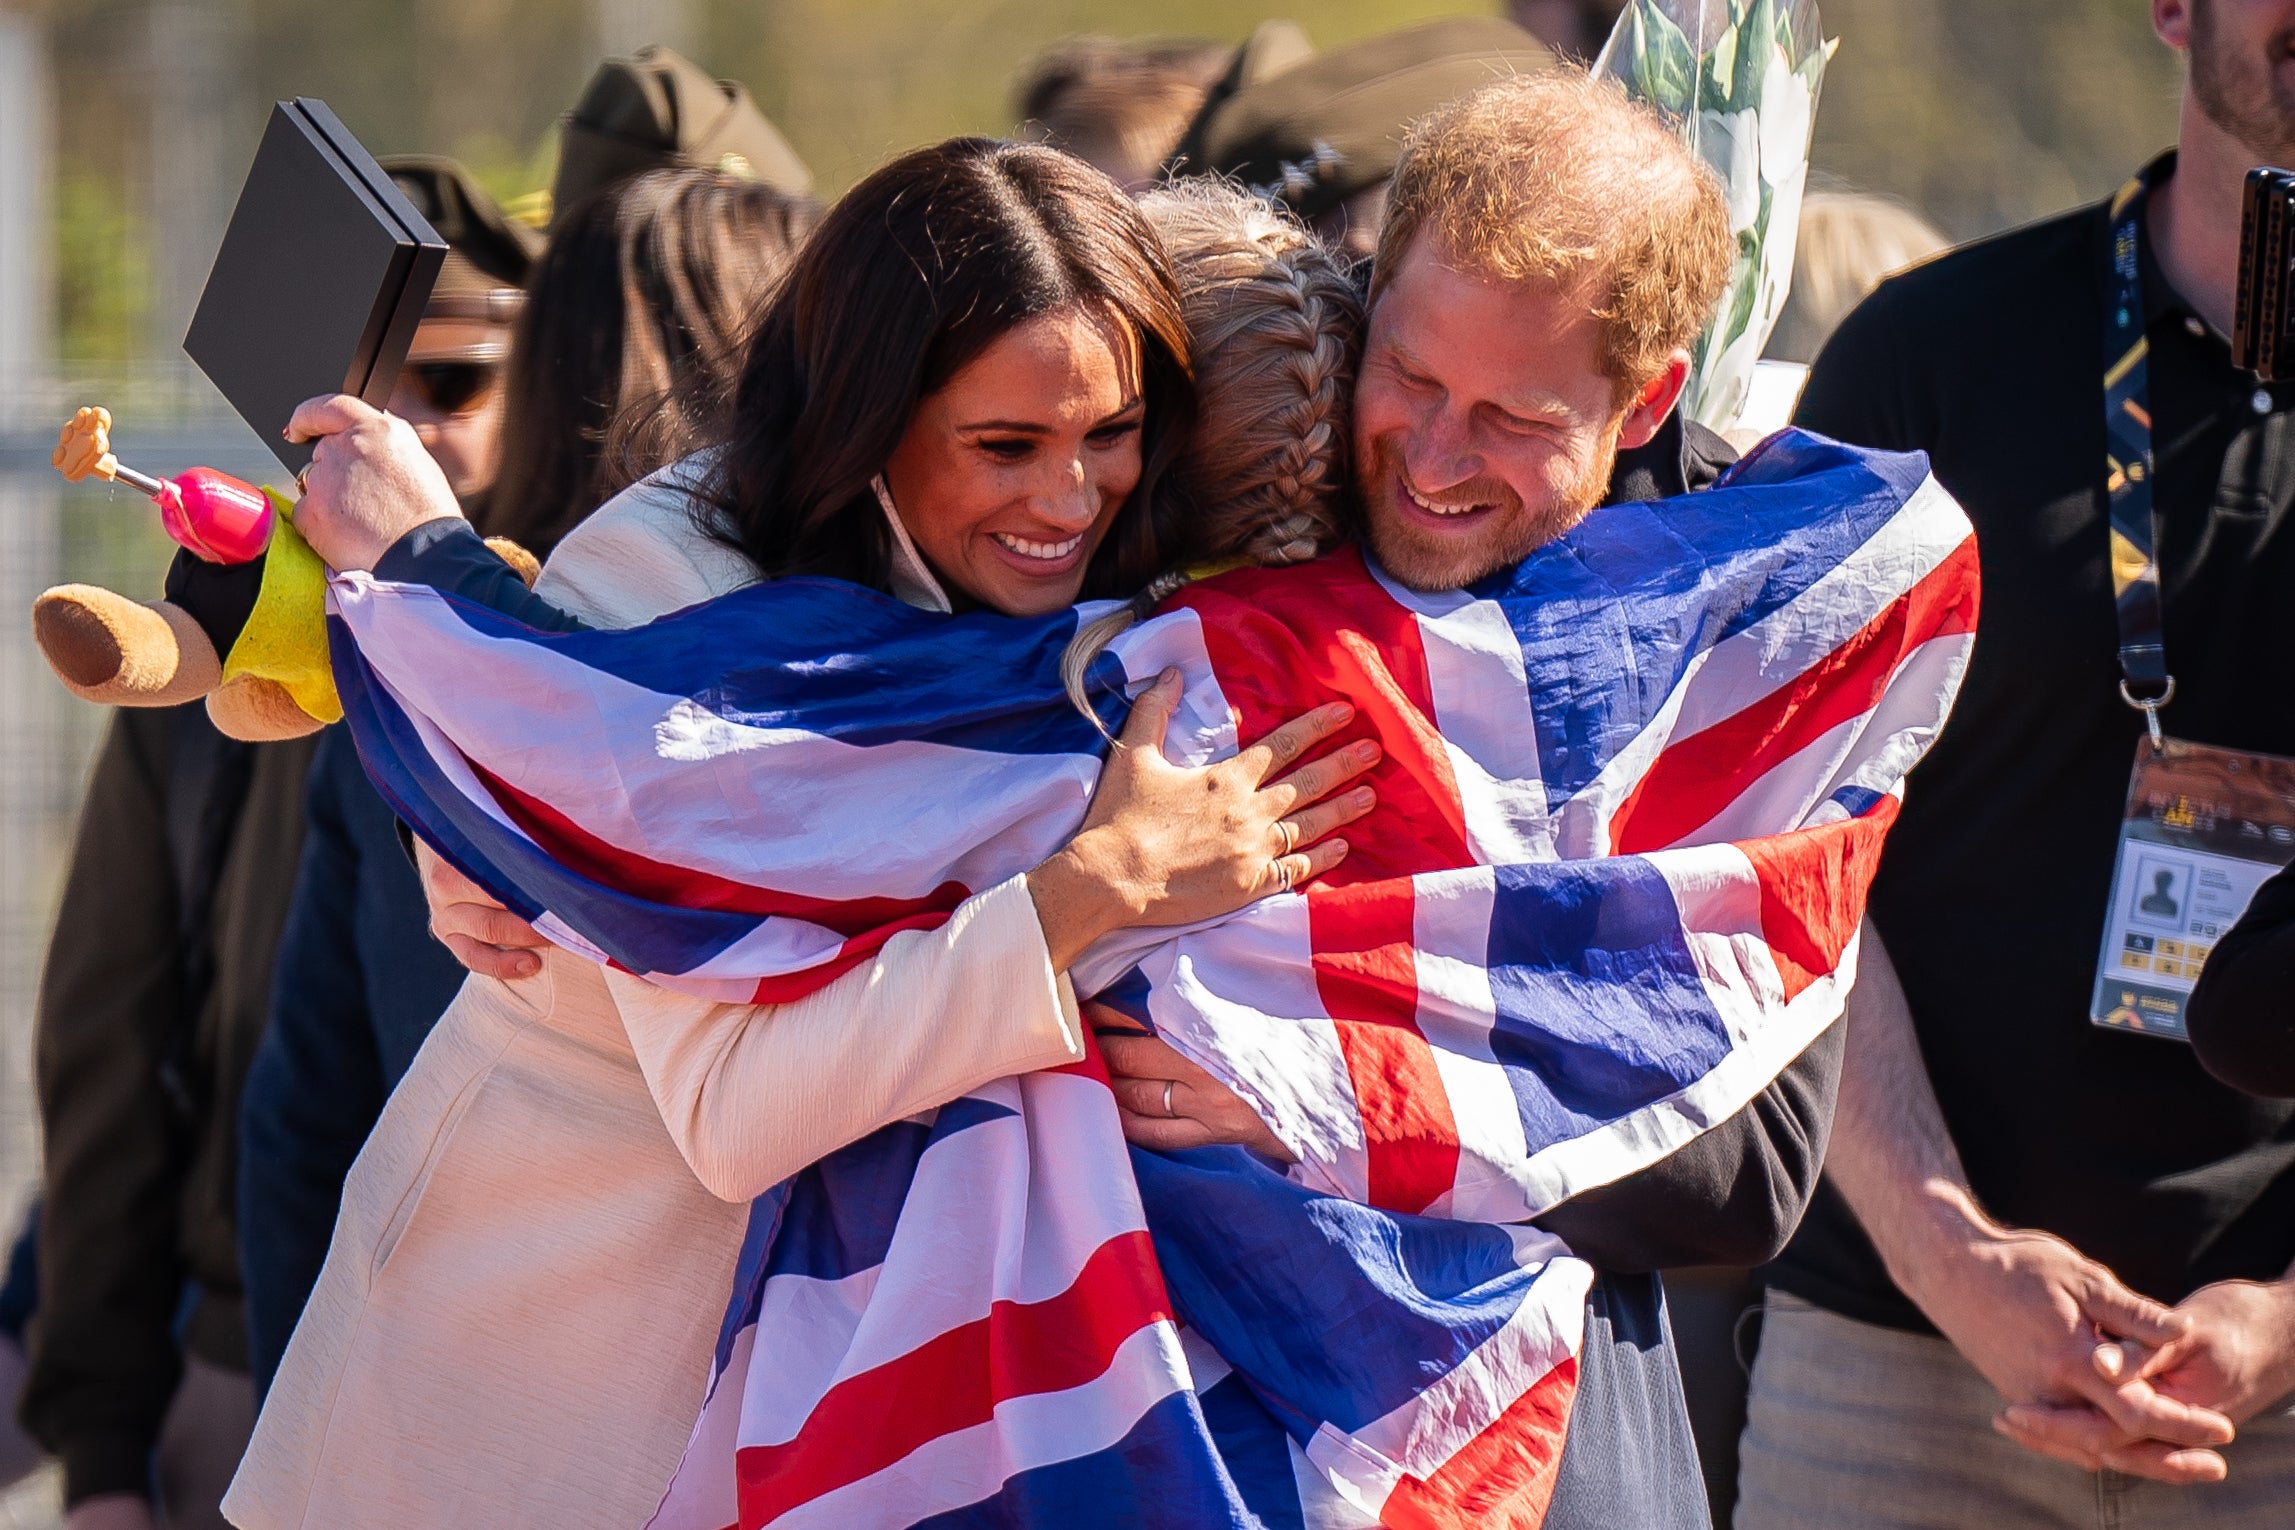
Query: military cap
{"points": [[659, 111], [489, 255], [1327, 127]]}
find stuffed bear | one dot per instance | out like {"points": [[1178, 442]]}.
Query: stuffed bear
{"points": [[249, 635]]}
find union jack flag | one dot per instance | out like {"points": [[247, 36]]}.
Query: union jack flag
{"points": [[1631, 796]]}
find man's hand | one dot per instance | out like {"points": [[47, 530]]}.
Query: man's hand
{"points": [[483, 935], [2027, 1310], [2237, 1359], [111, 1511], [1203, 1112], [369, 483]]}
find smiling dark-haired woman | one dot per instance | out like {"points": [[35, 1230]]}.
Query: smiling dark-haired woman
{"points": [[968, 393]]}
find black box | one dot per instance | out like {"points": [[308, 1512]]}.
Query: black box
{"points": [[320, 281], [2263, 306]]}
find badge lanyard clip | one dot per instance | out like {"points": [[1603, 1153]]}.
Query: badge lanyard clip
{"points": [[2145, 683]]}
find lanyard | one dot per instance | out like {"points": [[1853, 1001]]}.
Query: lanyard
{"points": [[2145, 683]]}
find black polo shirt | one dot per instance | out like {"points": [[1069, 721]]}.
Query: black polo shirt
{"points": [[1991, 893]]}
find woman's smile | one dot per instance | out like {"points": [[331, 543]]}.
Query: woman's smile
{"points": [[1041, 557]]}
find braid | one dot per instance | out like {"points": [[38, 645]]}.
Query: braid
{"points": [[1276, 322]]}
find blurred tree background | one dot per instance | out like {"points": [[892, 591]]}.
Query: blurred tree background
{"points": [[1980, 114]]}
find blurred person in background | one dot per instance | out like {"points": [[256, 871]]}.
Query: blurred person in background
{"points": [[647, 289], [1573, 28], [1849, 243], [2038, 1236], [657, 110], [1321, 133], [152, 1002], [2242, 1014], [1118, 106], [450, 389], [649, 282]]}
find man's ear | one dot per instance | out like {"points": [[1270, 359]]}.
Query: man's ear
{"points": [[1647, 410], [2171, 19]]}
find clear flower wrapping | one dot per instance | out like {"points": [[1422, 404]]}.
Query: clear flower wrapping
{"points": [[1739, 80]]}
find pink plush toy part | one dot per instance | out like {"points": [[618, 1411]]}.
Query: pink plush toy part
{"points": [[213, 515]]}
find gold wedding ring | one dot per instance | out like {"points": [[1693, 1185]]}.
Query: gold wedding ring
{"points": [[1167, 1110]]}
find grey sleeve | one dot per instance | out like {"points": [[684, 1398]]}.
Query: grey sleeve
{"points": [[1733, 1196]]}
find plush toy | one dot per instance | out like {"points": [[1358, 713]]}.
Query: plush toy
{"points": [[243, 621]]}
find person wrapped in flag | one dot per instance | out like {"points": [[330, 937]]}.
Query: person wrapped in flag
{"points": [[1632, 773], [531, 1263]]}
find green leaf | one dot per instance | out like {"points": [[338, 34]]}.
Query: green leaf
{"points": [[1755, 40], [1716, 71], [1664, 70]]}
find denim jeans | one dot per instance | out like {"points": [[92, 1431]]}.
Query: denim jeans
{"points": [[1855, 1427]]}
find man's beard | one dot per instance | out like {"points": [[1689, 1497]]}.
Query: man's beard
{"points": [[2240, 91], [1509, 532]]}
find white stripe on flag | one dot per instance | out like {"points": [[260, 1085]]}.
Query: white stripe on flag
{"points": [[1482, 707], [1042, 1429], [657, 776], [1241, 1000], [985, 1179], [1747, 666], [1423, 1434]]}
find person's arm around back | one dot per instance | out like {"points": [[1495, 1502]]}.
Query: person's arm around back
{"points": [[2021, 1306]]}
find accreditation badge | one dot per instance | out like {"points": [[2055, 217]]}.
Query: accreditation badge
{"points": [[2204, 828]]}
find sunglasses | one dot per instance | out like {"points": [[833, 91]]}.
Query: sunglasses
{"points": [[453, 387]]}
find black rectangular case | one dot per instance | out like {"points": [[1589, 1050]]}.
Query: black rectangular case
{"points": [[2263, 306], [320, 281]]}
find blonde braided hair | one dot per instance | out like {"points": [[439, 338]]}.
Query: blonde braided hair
{"points": [[1277, 324]]}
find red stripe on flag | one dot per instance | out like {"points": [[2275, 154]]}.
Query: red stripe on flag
{"points": [[1693, 781], [955, 1380], [576, 848], [1503, 1479], [1813, 884], [1283, 641], [1366, 972]]}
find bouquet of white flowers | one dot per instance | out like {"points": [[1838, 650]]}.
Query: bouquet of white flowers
{"points": [[1739, 80]]}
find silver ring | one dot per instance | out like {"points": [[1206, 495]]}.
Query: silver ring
{"points": [[1167, 1110], [1290, 835], [1282, 872]]}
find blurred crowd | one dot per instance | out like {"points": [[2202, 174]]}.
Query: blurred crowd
{"points": [[244, 968]]}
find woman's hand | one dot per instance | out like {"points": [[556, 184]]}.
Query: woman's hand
{"points": [[1164, 844], [369, 483], [483, 935]]}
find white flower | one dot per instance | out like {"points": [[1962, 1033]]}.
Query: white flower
{"points": [[1731, 143], [1778, 248], [1786, 116]]}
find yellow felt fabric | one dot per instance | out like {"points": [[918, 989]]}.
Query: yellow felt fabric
{"points": [[285, 639]]}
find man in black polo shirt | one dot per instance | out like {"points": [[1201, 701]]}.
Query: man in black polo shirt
{"points": [[2002, 1170]]}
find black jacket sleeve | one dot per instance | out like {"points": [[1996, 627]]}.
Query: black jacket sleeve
{"points": [[104, 1362], [316, 1084], [449, 556], [2242, 1014], [1733, 1196]]}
